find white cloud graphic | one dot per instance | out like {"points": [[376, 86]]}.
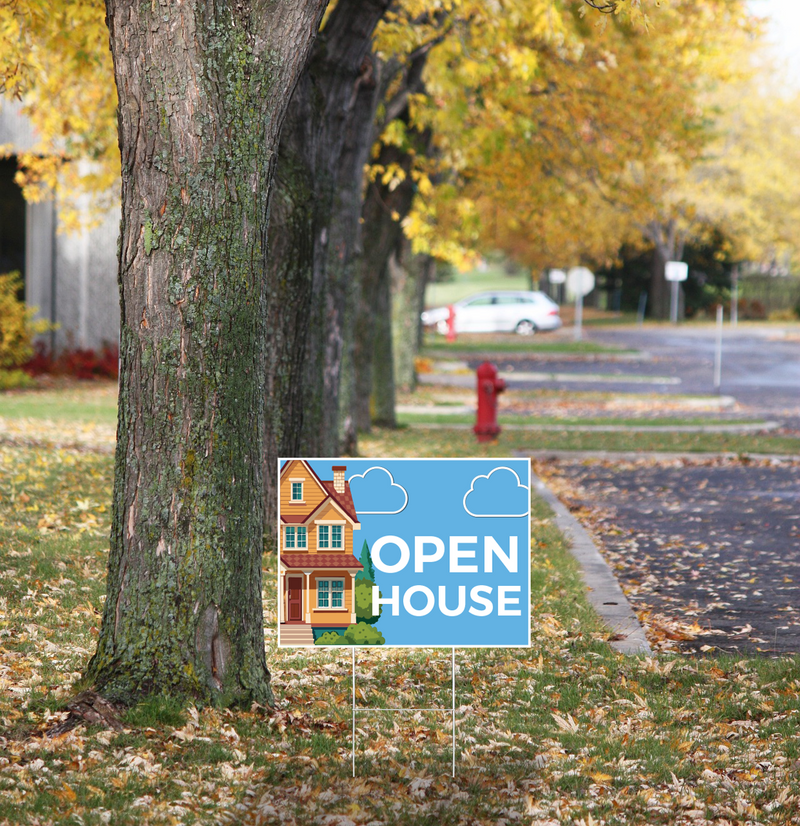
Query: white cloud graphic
{"points": [[379, 482], [487, 477]]}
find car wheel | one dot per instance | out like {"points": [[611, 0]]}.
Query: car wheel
{"points": [[525, 328]]}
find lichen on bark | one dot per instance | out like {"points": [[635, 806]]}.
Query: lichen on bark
{"points": [[203, 89]]}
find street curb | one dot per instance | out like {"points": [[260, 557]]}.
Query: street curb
{"points": [[656, 456], [604, 592]]}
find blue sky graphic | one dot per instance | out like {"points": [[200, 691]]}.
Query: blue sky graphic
{"points": [[436, 491]]}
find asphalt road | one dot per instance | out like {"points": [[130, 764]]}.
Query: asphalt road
{"points": [[760, 369], [714, 543]]}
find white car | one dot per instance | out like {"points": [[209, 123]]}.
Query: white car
{"points": [[498, 312]]}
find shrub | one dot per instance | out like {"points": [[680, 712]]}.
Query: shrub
{"points": [[14, 379], [358, 634], [17, 327], [88, 364], [364, 602], [363, 634], [79, 363], [331, 638], [784, 315]]}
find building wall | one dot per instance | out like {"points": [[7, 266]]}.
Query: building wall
{"points": [[70, 277]]}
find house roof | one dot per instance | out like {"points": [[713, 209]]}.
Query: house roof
{"points": [[294, 519], [343, 500], [318, 561]]}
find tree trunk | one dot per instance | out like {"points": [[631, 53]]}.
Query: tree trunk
{"points": [[384, 209], [348, 248], [667, 246], [383, 397], [314, 231], [409, 274], [203, 89]]}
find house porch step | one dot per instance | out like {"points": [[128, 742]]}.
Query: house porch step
{"points": [[298, 635]]}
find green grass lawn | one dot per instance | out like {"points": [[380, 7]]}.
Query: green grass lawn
{"points": [[439, 348], [463, 284], [83, 402], [443, 416], [565, 731]]}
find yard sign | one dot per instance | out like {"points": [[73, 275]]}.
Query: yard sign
{"points": [[404, 552]]}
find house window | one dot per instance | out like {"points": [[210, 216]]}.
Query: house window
{"points": [[297, 491], [289, 539], [302, 537], [330, 593], [330, 537]]}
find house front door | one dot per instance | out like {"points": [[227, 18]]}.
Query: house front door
{"points": [[295, 599]]}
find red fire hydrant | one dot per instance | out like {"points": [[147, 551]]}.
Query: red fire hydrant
{"points": [[489, 387], [451, 323]]}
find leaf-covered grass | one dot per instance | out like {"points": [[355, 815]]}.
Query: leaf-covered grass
{"points": [[439, 348], [422, 441], [566, 731], [441, 414], [442, 293]]}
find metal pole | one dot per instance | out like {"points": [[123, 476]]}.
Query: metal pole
{"points": [[642, 307], [718, 353], [578, 317], [353, 652], [673, 307], [454, 712]]}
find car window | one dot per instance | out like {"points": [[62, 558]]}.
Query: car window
{"points": [[509, 299], [483, 301]]}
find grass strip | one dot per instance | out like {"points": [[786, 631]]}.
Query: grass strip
{"points": [[419, 441], [443, 416]]}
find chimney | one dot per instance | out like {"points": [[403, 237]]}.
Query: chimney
{"points": [[338, 478]]}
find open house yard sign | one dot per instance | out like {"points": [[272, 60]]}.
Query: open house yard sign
{"points": [[404, 552]]}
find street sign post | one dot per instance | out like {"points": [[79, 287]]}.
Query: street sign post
{"points": [[580, 282], [675, 271], [558, 278]]}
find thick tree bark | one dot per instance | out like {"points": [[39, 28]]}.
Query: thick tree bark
{"points": [[410, 275], [315, 231], [203, 89]]}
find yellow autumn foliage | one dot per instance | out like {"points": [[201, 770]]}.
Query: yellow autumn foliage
{"points": [[17, 325]]}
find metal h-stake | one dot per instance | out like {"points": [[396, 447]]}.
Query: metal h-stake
{"points": [[453, 710]]}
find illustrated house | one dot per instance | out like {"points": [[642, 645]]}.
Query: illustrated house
{"points": [[317, 568]]}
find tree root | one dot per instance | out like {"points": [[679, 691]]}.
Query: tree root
{"points": [[88, 707]]}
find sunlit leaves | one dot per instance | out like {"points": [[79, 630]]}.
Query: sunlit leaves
{"points": [[56, 60]]}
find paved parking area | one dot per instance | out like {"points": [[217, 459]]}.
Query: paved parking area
{"points": [[707, 550]]}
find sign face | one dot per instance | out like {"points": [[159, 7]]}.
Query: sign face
{"points": [[580, 281], [676, 271], [404, 552], [557, 276]]}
